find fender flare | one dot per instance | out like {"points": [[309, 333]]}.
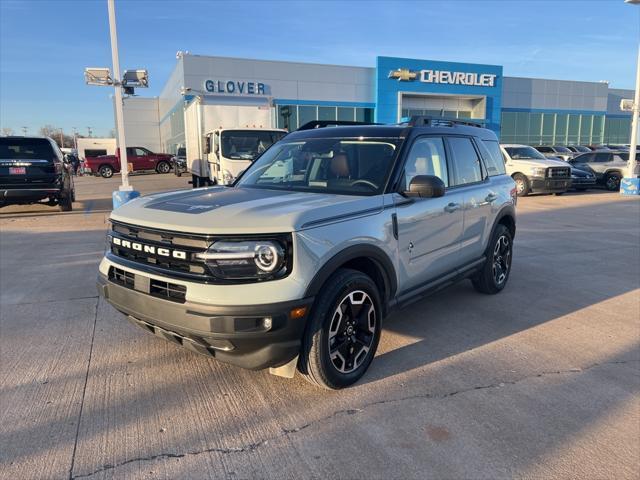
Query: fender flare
{"points": [[506, 211], [376, 254]]}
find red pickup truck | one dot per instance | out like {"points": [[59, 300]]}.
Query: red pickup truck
{"points": [[139, 158]]}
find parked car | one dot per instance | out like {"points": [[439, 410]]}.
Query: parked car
{"points": [[297, 264], [34, 170], [139, 159], [582, 180], [578, 149], [535, 173], [179, 161], [607, 166], [562, 153]]}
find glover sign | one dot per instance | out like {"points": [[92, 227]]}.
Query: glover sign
{"points": [[234, 87]]}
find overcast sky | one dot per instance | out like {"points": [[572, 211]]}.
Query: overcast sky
{"points": [[45, 45]]}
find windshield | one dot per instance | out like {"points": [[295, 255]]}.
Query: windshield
{"points": [[247, 144], [562, 149], [325, 165], [528, 153], [26, 149], [580, 148]]}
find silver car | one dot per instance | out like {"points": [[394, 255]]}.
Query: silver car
{"points": [[296, 265]]}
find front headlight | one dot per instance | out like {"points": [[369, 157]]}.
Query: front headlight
{"points": [[248, 259], [538, 171]]}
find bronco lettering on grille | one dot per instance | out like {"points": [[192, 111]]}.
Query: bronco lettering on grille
{"points": [[140, 247]]}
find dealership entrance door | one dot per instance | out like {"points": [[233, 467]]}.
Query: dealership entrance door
{"points": [[440, 105]]}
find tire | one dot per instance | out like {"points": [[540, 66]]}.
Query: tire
{"points": [[346, 293], [522, 185], [492, 280], [163, 167], [65, 204], [178, 172], [106, 171], [612, 181]]}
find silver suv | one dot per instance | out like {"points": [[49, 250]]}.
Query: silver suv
{"points": [[296, 265], [608, 167]]}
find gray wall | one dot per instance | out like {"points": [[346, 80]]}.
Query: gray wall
{"points": [[613, 101], [536, 93]]}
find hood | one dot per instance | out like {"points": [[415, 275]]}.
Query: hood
{"points": [[547, 162], [223, 210]]}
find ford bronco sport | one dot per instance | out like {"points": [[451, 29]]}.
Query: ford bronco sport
{"points": [[297, 263]]}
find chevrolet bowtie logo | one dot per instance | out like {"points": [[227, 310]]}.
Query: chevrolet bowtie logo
{"points": [[403, 74]]}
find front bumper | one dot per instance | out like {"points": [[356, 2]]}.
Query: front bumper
{"points": [[583, 182], [549, 185], [232, 334]]}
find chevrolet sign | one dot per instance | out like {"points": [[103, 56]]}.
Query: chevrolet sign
{"points": [[150, 249], [445, 77]]}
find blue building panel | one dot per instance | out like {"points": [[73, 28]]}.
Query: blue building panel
{"points": [[404, 75]]}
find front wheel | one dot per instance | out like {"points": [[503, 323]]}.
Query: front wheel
{"points": [[497, 267], [343, 331], [163, 167], [65, 203], [612, 182], [522, 185]]}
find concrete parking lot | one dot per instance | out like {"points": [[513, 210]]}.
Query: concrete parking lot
{"points": [[540, 381]]}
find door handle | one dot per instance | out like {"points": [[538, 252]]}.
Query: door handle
{"points": [[492, 197], [452, 207]]}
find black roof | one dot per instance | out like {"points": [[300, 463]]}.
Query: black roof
{"points": [[390, 131]]}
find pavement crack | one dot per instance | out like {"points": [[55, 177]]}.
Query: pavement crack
{"points": [[351, 411], [58, 300], [84, 388]]}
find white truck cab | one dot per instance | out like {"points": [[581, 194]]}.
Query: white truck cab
{"points": [[229, 151]]}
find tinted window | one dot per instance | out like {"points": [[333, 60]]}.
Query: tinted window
{"points": [[427, 157], [493, 158], [94, 153], [26, 149], [562, 149], [586, 158], [466, 164], [528, 153], [602, 157], [621, 157], [544, 149]]}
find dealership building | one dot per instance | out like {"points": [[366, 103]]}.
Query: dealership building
{"points": [[520, 110]]}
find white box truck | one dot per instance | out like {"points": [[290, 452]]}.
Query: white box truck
{"points": [[222, 140]]}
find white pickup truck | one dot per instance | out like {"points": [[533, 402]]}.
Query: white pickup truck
{"points": [[535, 173]]}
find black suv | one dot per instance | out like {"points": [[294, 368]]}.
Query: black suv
{"points": [[32, 170]]}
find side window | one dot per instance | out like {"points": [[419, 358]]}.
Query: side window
{"points": [[602, 157], [427, 157], [586, 158], [544, 149], [131, 152], [140, 152], [466, 164], [493, 158]]}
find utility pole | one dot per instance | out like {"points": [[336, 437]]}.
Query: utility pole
{"points": [[75, 138], [24, 131], [61, 139], [122, 144], [89, 130]]}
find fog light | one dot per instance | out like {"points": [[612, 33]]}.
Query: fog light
{"points": [[267, 322]]}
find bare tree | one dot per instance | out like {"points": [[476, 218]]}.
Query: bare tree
{"points": [[49, 131], [7, 131]]}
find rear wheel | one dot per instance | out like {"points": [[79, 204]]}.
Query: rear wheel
{"points": [[106, 171], [612, 182], [343, 331], [495, 272], [163, 167], [65, 204], [522, 185]]}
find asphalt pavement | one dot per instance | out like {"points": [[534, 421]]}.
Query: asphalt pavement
{"points": [[540, 381]]}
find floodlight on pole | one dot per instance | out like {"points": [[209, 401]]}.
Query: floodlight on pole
{"points": [[98, 76], [135, 78]]}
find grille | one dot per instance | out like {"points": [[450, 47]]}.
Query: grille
{"points": [[558, 172], [156, 288], [157, 249]]}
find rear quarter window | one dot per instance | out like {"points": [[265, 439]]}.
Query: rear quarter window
{"points": [[493, 159]]}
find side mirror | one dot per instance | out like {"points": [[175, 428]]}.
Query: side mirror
{"points": [[425, 186], [207, 144]]}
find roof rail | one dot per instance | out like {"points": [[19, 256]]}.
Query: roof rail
{"points": [[330, 123], [420, 120]]}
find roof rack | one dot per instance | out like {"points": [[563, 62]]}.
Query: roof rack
{"points": [[330, 123], [424, 120]]}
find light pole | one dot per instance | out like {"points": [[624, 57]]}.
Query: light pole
{"points": [[630, 185], [24, 131], [75, 138], [61, 139], [89, 130], [118, 97]]}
